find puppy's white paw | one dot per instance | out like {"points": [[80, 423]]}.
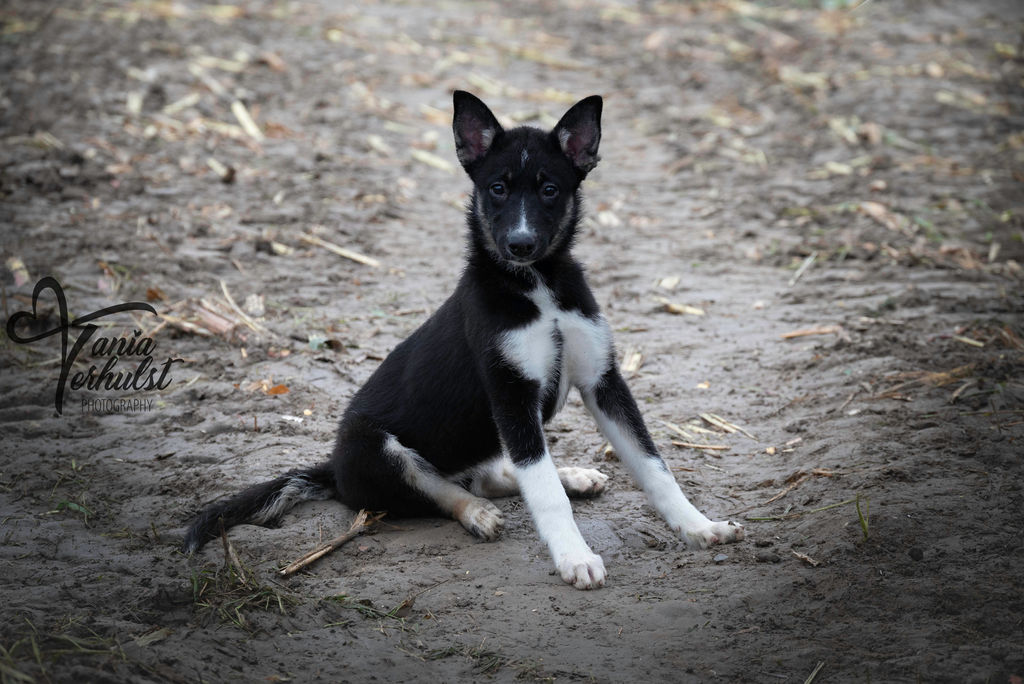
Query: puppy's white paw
{"points": [[480, 517], [582, 482], [582, 570], [722, 532]]}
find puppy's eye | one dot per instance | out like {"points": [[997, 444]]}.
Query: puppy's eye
{"points": [[498, 190], [549, 191]]}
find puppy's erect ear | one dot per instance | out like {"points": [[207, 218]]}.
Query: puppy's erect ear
{"points": [[475, 128], [579, 133]]}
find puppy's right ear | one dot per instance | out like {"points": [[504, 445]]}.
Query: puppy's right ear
{"points": [[475, 128]]}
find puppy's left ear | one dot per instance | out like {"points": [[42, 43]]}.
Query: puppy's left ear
{"points": [[579, 133]]}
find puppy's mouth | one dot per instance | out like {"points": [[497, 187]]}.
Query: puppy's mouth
{"points": [[519, 261]]}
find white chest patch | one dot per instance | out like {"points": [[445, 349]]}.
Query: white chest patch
{"points": [[559, 346]]}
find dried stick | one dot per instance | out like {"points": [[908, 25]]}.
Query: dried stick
{"points": [[340, 251], [253, 325], [230, 557], [360, 524], [826, 330], [723, 424], [710, 447], [796, 483], [821, 663], [803, 267]]}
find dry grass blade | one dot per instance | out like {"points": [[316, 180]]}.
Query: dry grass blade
{"points": [[431, 159], [968, 340], [678, 430], [803, 268], [246, 121], [631, 361], [181, 104], [806, 559], [709, 447], [226, 173], [723, 424], [360, 524], [1010, 338], [968, 384], [673, 307], [934, 379], [212, 84], [821, 663], [800, 514], [231, 558], [340, 251], [203, 317], [186, 326], [253, 325], [793, 485], [805, 332], [882, 215], [700, 430]]}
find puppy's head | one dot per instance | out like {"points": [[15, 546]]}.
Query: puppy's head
{"points": [[526, 181]]}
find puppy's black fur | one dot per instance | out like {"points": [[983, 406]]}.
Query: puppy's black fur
{"points": [[479, 377], [435, 392]]}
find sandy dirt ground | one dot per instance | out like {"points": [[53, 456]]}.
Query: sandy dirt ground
{"points": [[806, 231]]}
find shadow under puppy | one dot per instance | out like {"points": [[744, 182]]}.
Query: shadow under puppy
{"points": [[455, 413]]}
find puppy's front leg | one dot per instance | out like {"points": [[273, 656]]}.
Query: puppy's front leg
{"points": [[619, 419], [548, 503], [516, 405]]}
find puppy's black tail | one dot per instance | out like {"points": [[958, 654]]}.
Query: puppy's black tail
{"points": [[262, 504]]}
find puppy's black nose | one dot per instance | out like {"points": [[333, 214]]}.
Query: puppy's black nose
{"points": [[522, 246]]}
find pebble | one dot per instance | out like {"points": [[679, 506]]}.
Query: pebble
{"points": [[767, 557], [916, 553], [720, 558]]}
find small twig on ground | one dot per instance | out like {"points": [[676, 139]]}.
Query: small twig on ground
{"points": [[253, 325], [675, 308], [405, 607], [675, 428], [790, 516], [723, 424], [814, 673], [806, 559], [360, 524], [968, 340], [246, 121], [849, 399], [631, 361], [961, 389], [805, 332], [340, 251], [933, 379], [795, 480], [230, 557], [710, 447], [796, 483], [803, 268]]}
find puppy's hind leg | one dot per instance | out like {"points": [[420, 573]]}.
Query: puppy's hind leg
{"points": [[495, 478], [582, 483], [498, 478], [478, 515]]}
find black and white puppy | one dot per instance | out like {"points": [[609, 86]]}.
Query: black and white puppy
{"points": [[455, 413]]}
